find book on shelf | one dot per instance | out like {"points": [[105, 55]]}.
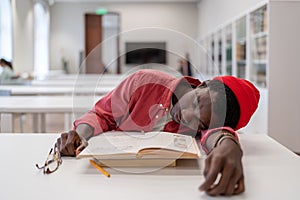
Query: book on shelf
{"points": [[240, 52], [259, 48], [229, 53], [140, 149], [259, 20], [265, 20]]}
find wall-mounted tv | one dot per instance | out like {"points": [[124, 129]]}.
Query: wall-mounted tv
{"points": [[145, 52]]}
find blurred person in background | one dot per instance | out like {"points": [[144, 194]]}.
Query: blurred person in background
{"points": [[7, 70]]}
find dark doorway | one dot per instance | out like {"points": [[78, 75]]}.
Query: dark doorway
{"points": [[101, 50], [93, 37]]}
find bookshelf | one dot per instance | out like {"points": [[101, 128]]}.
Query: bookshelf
{"points": [[219, 52], [204, 60], [240, 47], [228, 49], [213, 54], [258, 45]]}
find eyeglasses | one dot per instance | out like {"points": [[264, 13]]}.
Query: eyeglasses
{"points": [[52, 162]]}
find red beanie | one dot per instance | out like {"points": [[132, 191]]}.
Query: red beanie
{"points": [[246, 94]]}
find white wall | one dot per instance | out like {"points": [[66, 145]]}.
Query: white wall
{"points": [[110, 24], [22, 13], [258, 124], [67, 31], [284, 92], [213, 13]]}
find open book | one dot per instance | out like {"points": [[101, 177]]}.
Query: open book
{"points": [[135, 148]]}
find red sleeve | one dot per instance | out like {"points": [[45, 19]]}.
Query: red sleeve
{"points": [[105, 117], [206, 133]]}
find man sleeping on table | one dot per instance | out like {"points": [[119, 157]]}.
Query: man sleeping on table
{"points": [[150, 100]]}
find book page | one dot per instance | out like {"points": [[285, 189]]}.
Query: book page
{"points": [[112, 143], [171, 141]]}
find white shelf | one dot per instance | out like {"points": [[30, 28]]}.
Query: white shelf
{"points": [[241, 41], [259, 61], [259, 35], [241, 61], [228, 62]]}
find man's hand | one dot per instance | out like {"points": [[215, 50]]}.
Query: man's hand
{"points": [[70, 144], [226, 160]]}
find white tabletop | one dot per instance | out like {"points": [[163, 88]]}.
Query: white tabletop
{"points": [[271, 172], [85, 76], [79, 82], [56, 90]]}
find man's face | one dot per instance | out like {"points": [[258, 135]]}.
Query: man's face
{"points": [[194, 109]]}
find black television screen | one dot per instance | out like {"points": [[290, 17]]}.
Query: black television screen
{"points": [[145, 52]]}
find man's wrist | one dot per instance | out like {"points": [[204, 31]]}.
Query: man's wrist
{"points": [[210, 141], [229, 142], [215, 139], [227, 136], [85, 131]]}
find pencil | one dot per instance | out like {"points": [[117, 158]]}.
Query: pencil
{"points": [[99, 168]]}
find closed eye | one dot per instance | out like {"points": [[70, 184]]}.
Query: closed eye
{"points": [[202, 126]]}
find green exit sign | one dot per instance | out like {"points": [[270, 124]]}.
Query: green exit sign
{"points": [[101, 11]]}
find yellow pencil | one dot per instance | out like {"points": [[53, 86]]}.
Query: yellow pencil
{"points": [[99, 168]]}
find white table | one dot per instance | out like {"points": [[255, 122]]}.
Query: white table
{"points": [[72, 83], [56, 90], [86, 76], [67, 105], [271, 172]]}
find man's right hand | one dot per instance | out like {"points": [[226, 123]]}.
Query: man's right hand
{"points": [[70, 144]]}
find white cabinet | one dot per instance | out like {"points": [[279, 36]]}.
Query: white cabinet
{"points": [[239, 47]]}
